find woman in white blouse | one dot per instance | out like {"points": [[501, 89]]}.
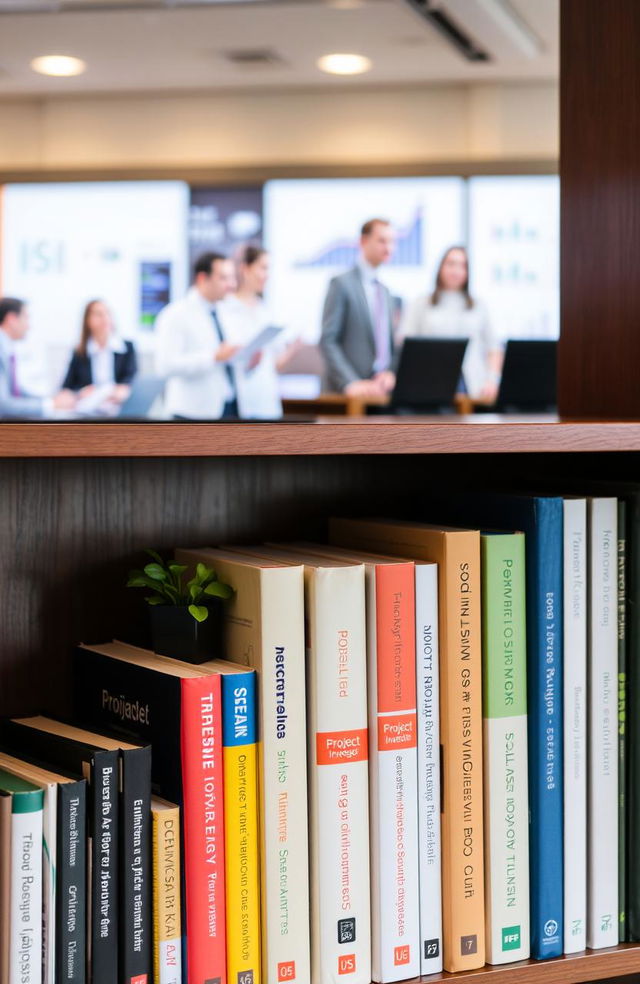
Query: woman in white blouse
{"points": [[102, 358], [451, 312], [243, 315]]}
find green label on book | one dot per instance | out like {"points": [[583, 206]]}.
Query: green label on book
{"points": [[511, 938], [503, 625]]}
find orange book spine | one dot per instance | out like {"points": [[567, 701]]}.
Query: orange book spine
{"points": [[202, 777]]}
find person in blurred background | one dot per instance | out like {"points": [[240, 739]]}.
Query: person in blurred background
{"points": [[193, 349], [357, 337], [14, 401], [245, 314], [451, 312], [102, 359]]}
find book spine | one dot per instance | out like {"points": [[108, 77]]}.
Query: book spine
{"points": [[104, 831], [544, 683], [71, 924], [575, 724], [241, 834], [5, 882], [505, 747], [135, 944], [394, 764], [49, 888], [428, 697], [338, 776], [25, 960], [201, 744], [461, 731], [622, 706], [632, 719], [167, 959], [602, 841], [283, 774]]}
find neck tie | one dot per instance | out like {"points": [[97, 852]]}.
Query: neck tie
{"points": [[227, 368], [381, 328], [13, 376]]}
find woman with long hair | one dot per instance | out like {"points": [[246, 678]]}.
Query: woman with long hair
{"points": [[101, 358], [451, 312]]}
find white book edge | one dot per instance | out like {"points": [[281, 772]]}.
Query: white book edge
{"points": [[339, 789], [602, 835], [428, 729], [25, 933], [575, 724]]}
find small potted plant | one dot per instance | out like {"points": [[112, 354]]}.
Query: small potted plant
{"points": [[186, 619]]}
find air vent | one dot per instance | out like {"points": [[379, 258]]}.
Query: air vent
{"points": [[254, 57], [450, 30]]}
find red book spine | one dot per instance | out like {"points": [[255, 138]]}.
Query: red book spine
{"points": [[202, 778]]}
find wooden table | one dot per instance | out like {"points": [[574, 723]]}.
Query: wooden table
{"points": [[342, 405]]}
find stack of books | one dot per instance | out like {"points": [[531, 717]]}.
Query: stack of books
{"points": [[413, 759]]}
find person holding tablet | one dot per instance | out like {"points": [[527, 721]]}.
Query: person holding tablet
{"points": [[451, 312]]}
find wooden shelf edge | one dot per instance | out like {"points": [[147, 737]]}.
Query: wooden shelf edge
{"points": [[578, 968], [342, 436]]}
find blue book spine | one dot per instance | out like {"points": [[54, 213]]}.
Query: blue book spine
{"points": [[542, 521]]}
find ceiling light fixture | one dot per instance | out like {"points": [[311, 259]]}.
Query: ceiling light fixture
{"points": [[62, 66], [344, 64]]}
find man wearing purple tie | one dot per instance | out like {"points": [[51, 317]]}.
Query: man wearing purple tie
{"points": [[357, 337], [14, 402]]}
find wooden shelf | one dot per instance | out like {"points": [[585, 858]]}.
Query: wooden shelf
{"points": [[591, 965], [325, 436]]}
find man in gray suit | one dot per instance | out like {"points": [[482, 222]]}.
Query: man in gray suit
{"points": [[14, 402], [357, 337]]}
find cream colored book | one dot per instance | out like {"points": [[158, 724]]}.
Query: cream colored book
{"points": [[265, 630], [338, 761]]}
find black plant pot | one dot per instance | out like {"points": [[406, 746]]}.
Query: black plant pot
{"points": [[175, 632]]}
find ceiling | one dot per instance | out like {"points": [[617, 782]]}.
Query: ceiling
{"points": [[162, 45]]}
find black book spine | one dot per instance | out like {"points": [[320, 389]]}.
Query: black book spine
{"points": [[71, 903], [103, 829], [135, 943]]}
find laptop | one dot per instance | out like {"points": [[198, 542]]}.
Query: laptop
{"points": [[528, 381], [144, 393], [428, 375]]}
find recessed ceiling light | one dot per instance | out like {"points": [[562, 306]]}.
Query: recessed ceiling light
{"points": [[58, 65], [344, 64]]}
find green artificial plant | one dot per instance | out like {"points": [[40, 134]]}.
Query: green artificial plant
{"points": [[166, 582]]}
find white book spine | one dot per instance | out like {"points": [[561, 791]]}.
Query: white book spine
{"points": [[283, 776], [338, 780], [575, 725], [25, 961], [428, 722], [602, 842], [393, 778]]}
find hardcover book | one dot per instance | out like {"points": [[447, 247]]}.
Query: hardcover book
{"points": [[457, 553], [165, 840]]}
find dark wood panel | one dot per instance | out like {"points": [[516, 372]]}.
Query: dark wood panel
{"points": [[600, 212], [337, 436]]}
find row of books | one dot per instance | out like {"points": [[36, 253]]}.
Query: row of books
{"points": [[444, 701]]}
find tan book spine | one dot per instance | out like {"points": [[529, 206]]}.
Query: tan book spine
{"points": [[457, 553]]}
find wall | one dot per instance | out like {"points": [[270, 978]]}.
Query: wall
{"points": [[400, 125]]}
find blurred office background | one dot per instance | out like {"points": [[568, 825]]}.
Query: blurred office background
{"points": [[205, 124]]}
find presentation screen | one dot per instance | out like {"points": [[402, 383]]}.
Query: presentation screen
{"points": [[66, 244], [312, 232]]}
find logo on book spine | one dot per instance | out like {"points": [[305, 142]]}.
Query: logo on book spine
{"points": [[550, 928], [511, 938], [287, 971], [245, 977], [346, 931], [431, 949], [468, 945], [213, 980], [347, 964], [401, 955]]}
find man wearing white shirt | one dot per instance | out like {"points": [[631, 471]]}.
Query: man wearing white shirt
{"points": [[192, 349], [14, 401], [357, 336]]}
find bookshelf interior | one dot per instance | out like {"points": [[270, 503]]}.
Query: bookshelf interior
{"points": [[78, 504]]}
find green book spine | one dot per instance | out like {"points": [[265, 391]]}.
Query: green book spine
{"points": [[506, 800], [622, 700]]}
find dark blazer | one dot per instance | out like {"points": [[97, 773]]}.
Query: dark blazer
{"points": [[79, 371], [347, 340]]}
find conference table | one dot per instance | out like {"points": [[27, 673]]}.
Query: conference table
{"points": [[342, 405]]}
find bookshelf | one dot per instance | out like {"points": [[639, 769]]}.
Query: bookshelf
{"points": [[78, 502]]}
